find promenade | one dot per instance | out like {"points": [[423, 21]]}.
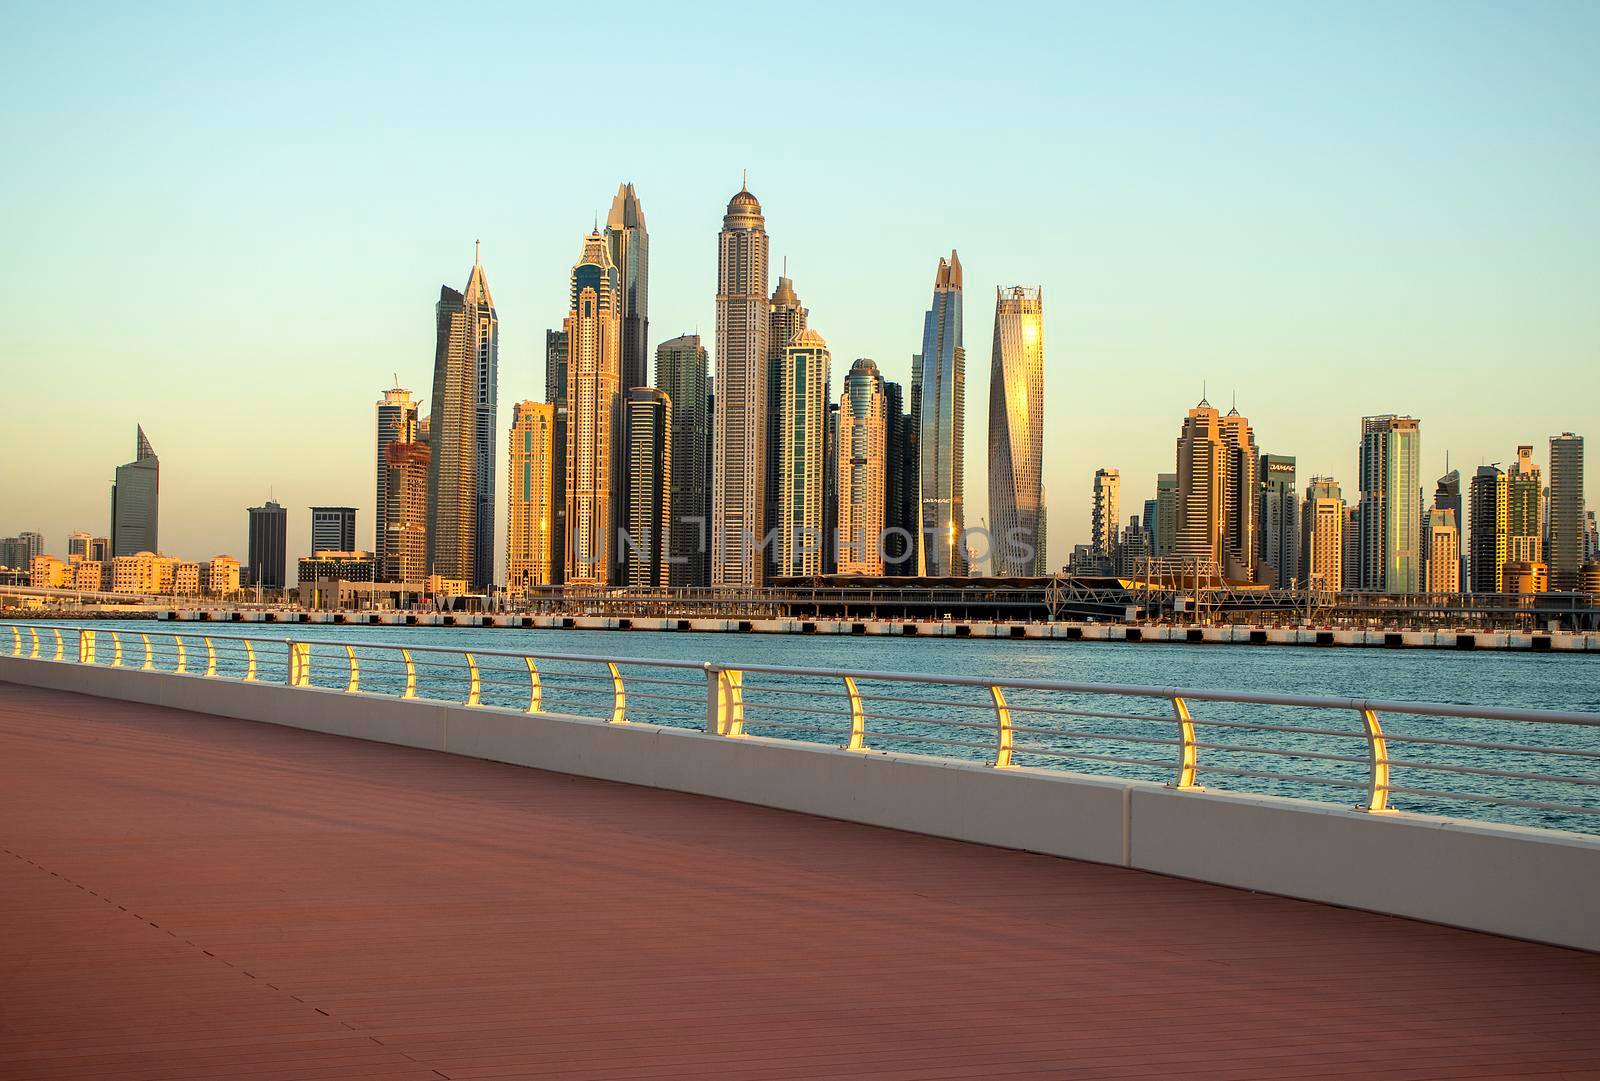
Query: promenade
{"points": [[188, 897]]}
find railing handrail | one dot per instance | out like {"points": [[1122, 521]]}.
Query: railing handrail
{"points": [[1421, 709]]}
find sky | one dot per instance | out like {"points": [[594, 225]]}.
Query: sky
{"points": [[231, 225]]}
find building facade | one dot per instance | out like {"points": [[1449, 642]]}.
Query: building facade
{"points": [[1390, 510], [1444, 552], [1016, 433], [900, 485], [802, 441], [862, 470], [405, 525], [530, 497], [938, 394], [136, 501], [648, 549], [1279, 518], [1566, 555], [1524, 509], [333, 529], [681, 374], [1490, 539], [629, 243], [786, 317], [1164, 533], [395, 416], [1200, 533], [1105, 512], [1322, 540], [739, 421], [555, 393], [268, 546], [594, 406], [1447, 496]]}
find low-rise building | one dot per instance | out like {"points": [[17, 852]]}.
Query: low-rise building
{"points": [[338, 566], [46, 572], [220, 576]]}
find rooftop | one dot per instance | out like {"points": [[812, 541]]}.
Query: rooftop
{"points": [[203, 898]]}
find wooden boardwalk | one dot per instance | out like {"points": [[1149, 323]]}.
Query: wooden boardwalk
{"points": [[184, 897]]}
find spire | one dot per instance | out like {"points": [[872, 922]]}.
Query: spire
{"points": [[744, 179], [626, 211], [477, 290], [477, 253], [141, 445]]}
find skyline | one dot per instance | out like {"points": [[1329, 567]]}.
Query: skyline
{"points": [[1453, 252]]}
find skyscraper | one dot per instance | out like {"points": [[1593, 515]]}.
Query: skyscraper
{"points": [[629, 245], [802, 436], [268, 544], [461, 433], [739, 424], [555, 393], [900, 485], [594, 406], [862, 469], [681, 373], [1105, 513], [786, 317], [1241, 499], [333, 529], [530, 503], [1444, 552], [1524, 509], [1016, 432], [396, 422], [1202, 476], [1391, 504], [938, 391], [1279, 518], [1489, 540], [1447, 496], [77, 546], [136, 501], [1322, 536], [405, 525], [1165, 530], [648, 413], [1566, 512], [830, 491]]}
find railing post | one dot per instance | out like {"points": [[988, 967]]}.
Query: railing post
{"points": [[411, 675], [149, 652], [1188, 753], [249, 661], [354, 687], [211, 655], [1003, 734], [1377, 763], [535, 694], [299, 664], [85, 646], [619, 700], [474, 685], [116, 650], [16, 641], [724, 701], [34, 632], [61, 646], [858, 717], [182, 663]]}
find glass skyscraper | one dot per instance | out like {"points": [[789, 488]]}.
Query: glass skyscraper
{"points": [[938, 392], [1016, 433], [136, 501], [862, 470], [396, 415], [1389, 516], [594, 406], [802, 440], [681, 374]]}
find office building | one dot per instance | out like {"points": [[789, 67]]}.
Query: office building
{"points": [[1279, 518], [530, 503], [1322, 535], [1105, 512], [786, 317], [1165, 531], [628, 242], [802, 435], [1390, 510], [333, 529], [681, 375], [78, 546], [1444, 552], [938, 396], [555, 393], [1524, 509], [1566, 512], [1447, 496], [336, 567], [405, 528], [1202, 457], [395, 416], [136, 501], [830, 491], [594, 406], [862, 470], [1016, 433], [1489, 538], [900, 485], [648, 548], [268, 546], [100, 550]]}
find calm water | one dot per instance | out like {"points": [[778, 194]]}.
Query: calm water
{"points": [[1059, 735]]}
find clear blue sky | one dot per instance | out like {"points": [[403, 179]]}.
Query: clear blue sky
{"points": [[232, 226]]}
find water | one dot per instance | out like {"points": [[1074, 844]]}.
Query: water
{"points": [[1053, 731]]}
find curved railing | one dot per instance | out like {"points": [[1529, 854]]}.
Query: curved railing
{"points": [[1534, 767]]}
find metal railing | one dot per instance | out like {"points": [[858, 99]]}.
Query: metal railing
{"points": [[1533, 767]]}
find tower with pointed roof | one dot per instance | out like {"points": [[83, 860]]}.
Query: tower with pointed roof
{"points": [[629, 244], [739, 439], [786, 318], [593, 460], [136, 501], [938, 395], [1016, 432]]}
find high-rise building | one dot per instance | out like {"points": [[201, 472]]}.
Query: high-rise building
{"points": [[1279, 518], [1165, 531], [19, 552], [405, 525], [739, 422], [900, 485], [555, 393], [1524, 509], [1105, 513], [1591, 537], [1444, 552], [594, 407], [1322, 541], [1241, 499], [648, 548], [530, 502], [100, 550], [269, 539], [1566, 512], [1016, 432], [862, 469], [333, 529], [1447, 496], [830, 491], [1489, 539], [939, 395], [786, 317], [681, 374], [1202, 477], [461, 425], [396, 422], [629, 245], [1391, 504], [802, 442], [78, 546], [136, 501]]}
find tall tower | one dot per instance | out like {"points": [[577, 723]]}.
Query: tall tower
{"points": [[1279, 521], [802, 438], [396, 415], [405, 524], [1322, 536], [1016, 432], [681, 373], [862, 470], [555, 393], [1489, 540], [1447, 496], [1390, 513], [530, 505], [1524, 509], [1199, 532], [268, 543], [938, 390], [1566, 512], [136, 501], [648, 414], [594, 406], [1241, 499], [461, 426], [629, 244], [786, 317], [333, 529], [1444, 552], [739, 441], [1104, 514], [900, 487]]}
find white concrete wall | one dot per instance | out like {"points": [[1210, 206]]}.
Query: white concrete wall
{"points": [[1533, 884]]}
